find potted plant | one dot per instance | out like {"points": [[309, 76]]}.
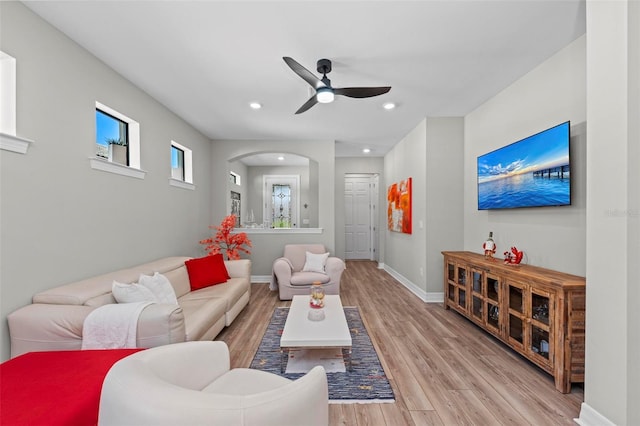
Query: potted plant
{"points": [[232, 244], [117, 151]]}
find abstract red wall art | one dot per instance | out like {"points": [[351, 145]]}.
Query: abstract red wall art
{"points": [[399, 206]]}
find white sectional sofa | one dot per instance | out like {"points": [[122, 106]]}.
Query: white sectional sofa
{"points": [[54, 321]]}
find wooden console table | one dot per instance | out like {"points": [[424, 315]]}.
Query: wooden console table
{"points": [[538, 312]]}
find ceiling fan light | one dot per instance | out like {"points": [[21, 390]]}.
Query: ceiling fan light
{"points": [[324, 95]]}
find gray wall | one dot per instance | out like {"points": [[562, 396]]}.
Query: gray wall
{"points": [[612, 382], [406, 253], [60, 220], [268, 247], [431, 155], [444, 191], [554, 92]]}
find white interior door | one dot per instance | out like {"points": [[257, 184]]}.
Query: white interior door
{"points": [[359, 217]]}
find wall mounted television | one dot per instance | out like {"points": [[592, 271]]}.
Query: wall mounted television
{"points": [[532, 172]]}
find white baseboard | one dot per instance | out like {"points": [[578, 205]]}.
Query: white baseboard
{"points": [[590, 417], [260, 279], [432, 297]]}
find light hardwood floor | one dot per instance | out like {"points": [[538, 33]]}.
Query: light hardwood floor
{"points": [[443, 369]]}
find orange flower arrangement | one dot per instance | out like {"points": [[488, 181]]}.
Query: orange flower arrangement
{"points": [[232, 244]]}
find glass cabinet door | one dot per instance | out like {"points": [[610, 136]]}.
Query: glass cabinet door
{"points": [[541, 343], [516, 320], [461, 275], [493, 300], [456, 288], [493, 288], [451, 281], [477, 290]]}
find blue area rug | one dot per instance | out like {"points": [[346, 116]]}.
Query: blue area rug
{"points": [[367, 381]]}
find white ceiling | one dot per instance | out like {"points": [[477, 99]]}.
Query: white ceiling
{"points": [[206, 60]]}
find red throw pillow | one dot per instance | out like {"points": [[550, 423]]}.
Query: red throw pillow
{"points": [[206, 271]]}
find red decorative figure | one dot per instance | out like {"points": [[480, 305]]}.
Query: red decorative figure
{"points": [[514, 257]]}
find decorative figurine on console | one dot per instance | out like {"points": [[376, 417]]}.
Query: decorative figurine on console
{"points": [[514, 257], [489, 247]]}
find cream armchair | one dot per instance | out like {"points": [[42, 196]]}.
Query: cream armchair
{"points": [[291, 279], [190, 383]]}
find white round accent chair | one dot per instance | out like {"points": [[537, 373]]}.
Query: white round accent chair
{"points": [[191, 383]]}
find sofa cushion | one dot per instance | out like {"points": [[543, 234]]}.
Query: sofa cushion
{"points": [[231, 291], [80, 292], [179, 279], [206, 271], [308, 278], [200, 315], [101, 300]]}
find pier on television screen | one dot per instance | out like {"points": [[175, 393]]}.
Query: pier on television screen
{"points": [[533, 172]]}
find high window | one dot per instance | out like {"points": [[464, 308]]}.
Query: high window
{"points": [[234, 178], [177, 163], [112, 138], [7, 94], [181, 166], [9, 140], [117, 143]]}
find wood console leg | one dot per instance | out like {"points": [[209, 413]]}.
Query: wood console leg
{"points": [[563, 383]]}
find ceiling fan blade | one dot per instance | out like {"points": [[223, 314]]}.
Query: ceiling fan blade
{"points": [[304, 73], [361, 92], [311, 102]]}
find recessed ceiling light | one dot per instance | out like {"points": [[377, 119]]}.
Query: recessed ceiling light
{"points": [[389, 105], [255, 105], [366, 150]]}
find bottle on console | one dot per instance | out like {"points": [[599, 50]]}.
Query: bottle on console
{"points": [[489, 247]]}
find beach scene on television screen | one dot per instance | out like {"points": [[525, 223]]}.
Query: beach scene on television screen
{"points": [[533, 172]]}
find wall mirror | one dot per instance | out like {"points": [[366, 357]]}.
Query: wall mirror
{"points": [[273, 190]]}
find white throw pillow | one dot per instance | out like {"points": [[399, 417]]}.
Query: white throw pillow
{"points": [[160, 287], [130, 293], [315, 262]]}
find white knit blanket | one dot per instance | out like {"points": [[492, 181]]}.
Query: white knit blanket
{"points": [[112, 326]]}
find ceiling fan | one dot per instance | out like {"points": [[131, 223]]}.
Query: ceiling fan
{"points": [[325, 93]]}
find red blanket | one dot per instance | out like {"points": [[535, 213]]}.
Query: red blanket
{"points": [[55, 388]]}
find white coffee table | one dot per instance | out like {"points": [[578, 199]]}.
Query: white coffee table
{"points": [[302, 333]]}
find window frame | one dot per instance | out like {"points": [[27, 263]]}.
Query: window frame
{"points": [[180, 159], [234, 178], [133, 169], [187, 166], [9, 139], [126, 133]]}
